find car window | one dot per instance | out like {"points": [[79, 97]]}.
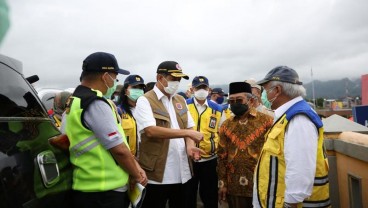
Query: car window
{"points": [[17, 99]]}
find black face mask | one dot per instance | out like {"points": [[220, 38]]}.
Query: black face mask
{"points": [[239, 109]]}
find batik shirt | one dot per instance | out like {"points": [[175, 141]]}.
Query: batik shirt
{"points": [[241, 142]]}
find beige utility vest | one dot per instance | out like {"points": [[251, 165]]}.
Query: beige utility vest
{"points": [[153, 152]]}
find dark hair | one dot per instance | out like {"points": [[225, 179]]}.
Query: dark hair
{"points": [[90, 75], [149, 86], [123, 100]]}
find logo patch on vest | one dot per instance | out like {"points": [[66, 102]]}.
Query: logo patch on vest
{"points": [[178, 106]]}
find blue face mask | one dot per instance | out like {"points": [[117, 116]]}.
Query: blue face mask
{"points": [[220, 100], [134, 94], [265, 100], [110, 90]]}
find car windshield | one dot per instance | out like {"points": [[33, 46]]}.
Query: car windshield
{"points": [[17, 99]]}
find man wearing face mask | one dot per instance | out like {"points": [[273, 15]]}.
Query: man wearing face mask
{"points": [[133, 88], [293, 169], [218, 96], [99, 152], [241, 141], [257, 102], [167, 139], [207, 117]]}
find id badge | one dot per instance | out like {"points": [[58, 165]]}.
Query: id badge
{"points": [[213, 122]]}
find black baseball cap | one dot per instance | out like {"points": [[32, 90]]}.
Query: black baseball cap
{"points": [[200, 80], [172, 68], [134, 80], [282, 74], [219, 91], [102, 62]]}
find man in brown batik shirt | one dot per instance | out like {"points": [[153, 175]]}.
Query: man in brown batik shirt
{"points": [[241, 141]]}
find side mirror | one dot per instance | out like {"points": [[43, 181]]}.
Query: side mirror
{"points": [[32, 79]]}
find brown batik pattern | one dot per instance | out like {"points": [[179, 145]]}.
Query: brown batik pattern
{"points": [[239, 149]]}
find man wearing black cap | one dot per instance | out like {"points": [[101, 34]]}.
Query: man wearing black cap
{"points": [[218, 96], [292, 170], [167, 139], [133, 88], [207, 119], [241, 141], [98, 148]]}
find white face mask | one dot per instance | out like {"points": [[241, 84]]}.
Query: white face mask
{"points": [[201, 94], [172, 87]]}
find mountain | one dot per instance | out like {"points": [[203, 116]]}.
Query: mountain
{"points": [[332, 89], [335, 89]]}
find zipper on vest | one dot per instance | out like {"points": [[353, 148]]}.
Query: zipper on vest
{"points": [[199, 120]]}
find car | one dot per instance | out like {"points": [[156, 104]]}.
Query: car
{"points": [[47, 96], [33, 173]]}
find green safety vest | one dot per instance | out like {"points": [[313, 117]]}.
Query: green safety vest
{"points": [[95, 169]]}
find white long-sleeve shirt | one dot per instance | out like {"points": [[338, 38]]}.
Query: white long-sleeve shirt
{"points": [[300, 149]]}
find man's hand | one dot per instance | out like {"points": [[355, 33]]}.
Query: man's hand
{"points": [[144, 181], [142, 173], [194, 152], [222, 194], [194, 135]]}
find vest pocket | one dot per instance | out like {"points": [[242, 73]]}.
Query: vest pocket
{"points": [[148, 162], [272, 143]]}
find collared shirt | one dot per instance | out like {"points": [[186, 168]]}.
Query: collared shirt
{"points": [[241, 142], [300, 149], [177, 166]]}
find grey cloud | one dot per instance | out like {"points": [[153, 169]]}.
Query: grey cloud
{"points": [[223, 40]]}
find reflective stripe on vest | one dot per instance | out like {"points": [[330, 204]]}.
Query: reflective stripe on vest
{"points": [[271, 193], [78, 152], [271, 167]]}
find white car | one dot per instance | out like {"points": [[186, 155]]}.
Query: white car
{"points": [[47, 96]]}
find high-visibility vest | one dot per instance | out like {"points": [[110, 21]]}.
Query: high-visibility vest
{"points": [[130, 129], [95, 169], [270, 170], [207, 123]]}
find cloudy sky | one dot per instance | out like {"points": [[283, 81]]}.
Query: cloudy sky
{"points": [[225, 40]]}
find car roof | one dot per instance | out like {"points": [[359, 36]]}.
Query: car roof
{"points": [[12, 63]]}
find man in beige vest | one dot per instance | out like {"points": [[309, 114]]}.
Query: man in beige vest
{"points": [[167, 139]]}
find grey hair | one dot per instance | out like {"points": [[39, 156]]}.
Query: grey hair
{"points": [[290, 90]]}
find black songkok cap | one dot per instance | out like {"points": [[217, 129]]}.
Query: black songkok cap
{"points": [[237, 87]]}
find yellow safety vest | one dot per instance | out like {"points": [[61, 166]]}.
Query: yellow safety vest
{"points": [[130, 129], [207, 123], [270, 170]]}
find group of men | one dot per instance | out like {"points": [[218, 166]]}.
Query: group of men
{"points": [[243, 153]]}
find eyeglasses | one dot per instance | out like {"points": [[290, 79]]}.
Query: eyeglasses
{"points": [[270, 90], [233, 101]]}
